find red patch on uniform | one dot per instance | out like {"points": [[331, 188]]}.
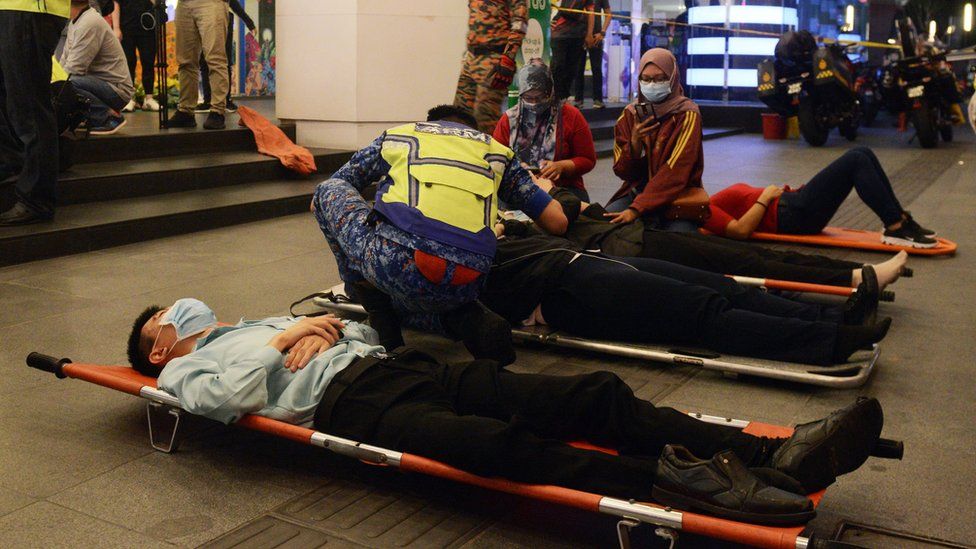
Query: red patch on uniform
{"points": [[432, 267], [464, 275]]}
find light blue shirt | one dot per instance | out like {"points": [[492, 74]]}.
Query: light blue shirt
{"points": [[238, 373]]}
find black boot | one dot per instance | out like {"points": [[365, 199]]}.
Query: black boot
{"points": [[382, 317], [820, 451], [181, 119], [724, 487], [862, 307], [484, 333]]}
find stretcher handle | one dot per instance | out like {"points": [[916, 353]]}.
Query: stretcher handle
{"points": [[887, 295], [48, 363], [889, 449]]}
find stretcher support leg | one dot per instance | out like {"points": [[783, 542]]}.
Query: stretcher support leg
{"points": [[668, 534], [624, 526], [164, 426]]}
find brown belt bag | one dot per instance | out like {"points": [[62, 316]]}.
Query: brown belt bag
{"points": [[691, 204]]}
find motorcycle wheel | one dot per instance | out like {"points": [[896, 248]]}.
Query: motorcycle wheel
{"points": [[925, 126], [946, 133], [813, 132]]}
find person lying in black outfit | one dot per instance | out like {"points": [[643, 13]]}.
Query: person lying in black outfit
{"points": [[538, 278], [482, 418], [589, 228]]}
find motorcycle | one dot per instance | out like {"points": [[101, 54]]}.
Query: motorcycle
{"points": [[868, 94], [814, 84], [921, 85]]}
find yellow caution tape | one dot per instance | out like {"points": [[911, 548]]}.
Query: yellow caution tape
{"points": [[724, 29]]}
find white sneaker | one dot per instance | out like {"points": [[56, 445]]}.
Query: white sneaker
{"points": [[130, 106], [150, 104]]}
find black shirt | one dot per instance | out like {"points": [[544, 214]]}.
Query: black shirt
{"points": [[130, 14]]}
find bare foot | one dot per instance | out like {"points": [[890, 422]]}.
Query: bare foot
{"points": [[889, 271]]}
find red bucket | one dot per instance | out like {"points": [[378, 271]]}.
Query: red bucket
{"points": [[774, 126]]}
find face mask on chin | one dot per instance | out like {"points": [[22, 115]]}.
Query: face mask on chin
{"points": [[655, 92], [536, 107]]}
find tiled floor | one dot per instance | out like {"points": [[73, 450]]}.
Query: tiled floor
{"points": [[76, 469]]}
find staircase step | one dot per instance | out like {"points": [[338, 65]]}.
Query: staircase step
{"points": [[141, 143], [86, 227], [151, 176], [604, 147]]}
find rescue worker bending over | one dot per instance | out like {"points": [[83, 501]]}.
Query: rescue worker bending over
{"points": [[428, 243]]}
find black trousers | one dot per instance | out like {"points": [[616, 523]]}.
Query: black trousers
{"points": [[494, 422], [808, 210], [28, 129], [724, 256], [655, 301], [205, 69], [596, 66], [567, 54], [143, 42]]}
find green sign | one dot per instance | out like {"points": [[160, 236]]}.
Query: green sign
{"points": [[536, 42]]}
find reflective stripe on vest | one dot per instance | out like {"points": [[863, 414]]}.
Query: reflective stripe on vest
{"points": [[443, 183]]}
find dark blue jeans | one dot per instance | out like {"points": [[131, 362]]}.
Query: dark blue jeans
{"points": [[104, 99], [28, 130], [808, 210]]}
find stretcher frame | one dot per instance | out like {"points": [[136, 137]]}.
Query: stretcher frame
{"points": [[841, 237], [842, 376], [163, 414], [805, 287]]}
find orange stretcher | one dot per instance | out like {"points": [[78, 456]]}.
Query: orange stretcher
{"points": [[164, 412], [839, 237]]}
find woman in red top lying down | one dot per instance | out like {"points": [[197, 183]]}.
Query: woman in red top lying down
{"points": [[740, 210]]}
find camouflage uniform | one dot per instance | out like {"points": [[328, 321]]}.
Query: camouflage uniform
{"points": [[495, 28], [368, 247]]}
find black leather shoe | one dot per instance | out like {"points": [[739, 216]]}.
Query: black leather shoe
{"points": [[862, 307], [724, 487], [181, 119], [20, 214], [382, 317], [485, 334], [214, 121], [820, 451]]}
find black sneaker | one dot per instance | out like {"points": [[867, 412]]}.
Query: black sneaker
{"points": [[21, 214], [214, 121], [181, 119], [914, 225], [820, 451], [724, 487], [203, 107], [230, 106], [908, 236]]}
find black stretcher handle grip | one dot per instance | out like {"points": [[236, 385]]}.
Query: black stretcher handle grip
{"points": [[887, 295], [889, 449], [48, 363]]}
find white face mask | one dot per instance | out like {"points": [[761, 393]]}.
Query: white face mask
{"points": [[655, 92]]}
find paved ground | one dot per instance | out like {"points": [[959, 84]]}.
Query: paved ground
{"points": [[76, 469]]}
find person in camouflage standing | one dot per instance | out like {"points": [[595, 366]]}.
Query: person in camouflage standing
{"points": [[495, 32]]}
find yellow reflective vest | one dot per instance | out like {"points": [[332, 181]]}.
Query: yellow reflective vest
{"points": [[442, 183], [61, 8]]}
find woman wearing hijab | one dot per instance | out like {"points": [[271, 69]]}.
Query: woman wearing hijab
{"points": [[549, 136], [657, 147]]}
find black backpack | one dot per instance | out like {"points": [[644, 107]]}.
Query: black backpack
{"points": [[70, 108]]}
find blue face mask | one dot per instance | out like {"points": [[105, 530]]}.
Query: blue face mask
{"points": [[536, 108], [189, 317], [655, 92]]}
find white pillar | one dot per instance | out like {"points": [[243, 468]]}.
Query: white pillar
{"points": [[349, 69]]}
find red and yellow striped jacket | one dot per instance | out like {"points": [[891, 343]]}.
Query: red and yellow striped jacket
{"points": [[672, 159]]}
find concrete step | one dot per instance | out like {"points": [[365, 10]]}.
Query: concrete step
{"points": [[604, 147], [100, 181], [86, 227]]}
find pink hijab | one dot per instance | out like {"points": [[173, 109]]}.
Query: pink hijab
{"points": [[674, 103]]}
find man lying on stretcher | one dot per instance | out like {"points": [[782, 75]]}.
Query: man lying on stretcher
{"points": [[542, 279], [489, 421], [589, 228]]}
